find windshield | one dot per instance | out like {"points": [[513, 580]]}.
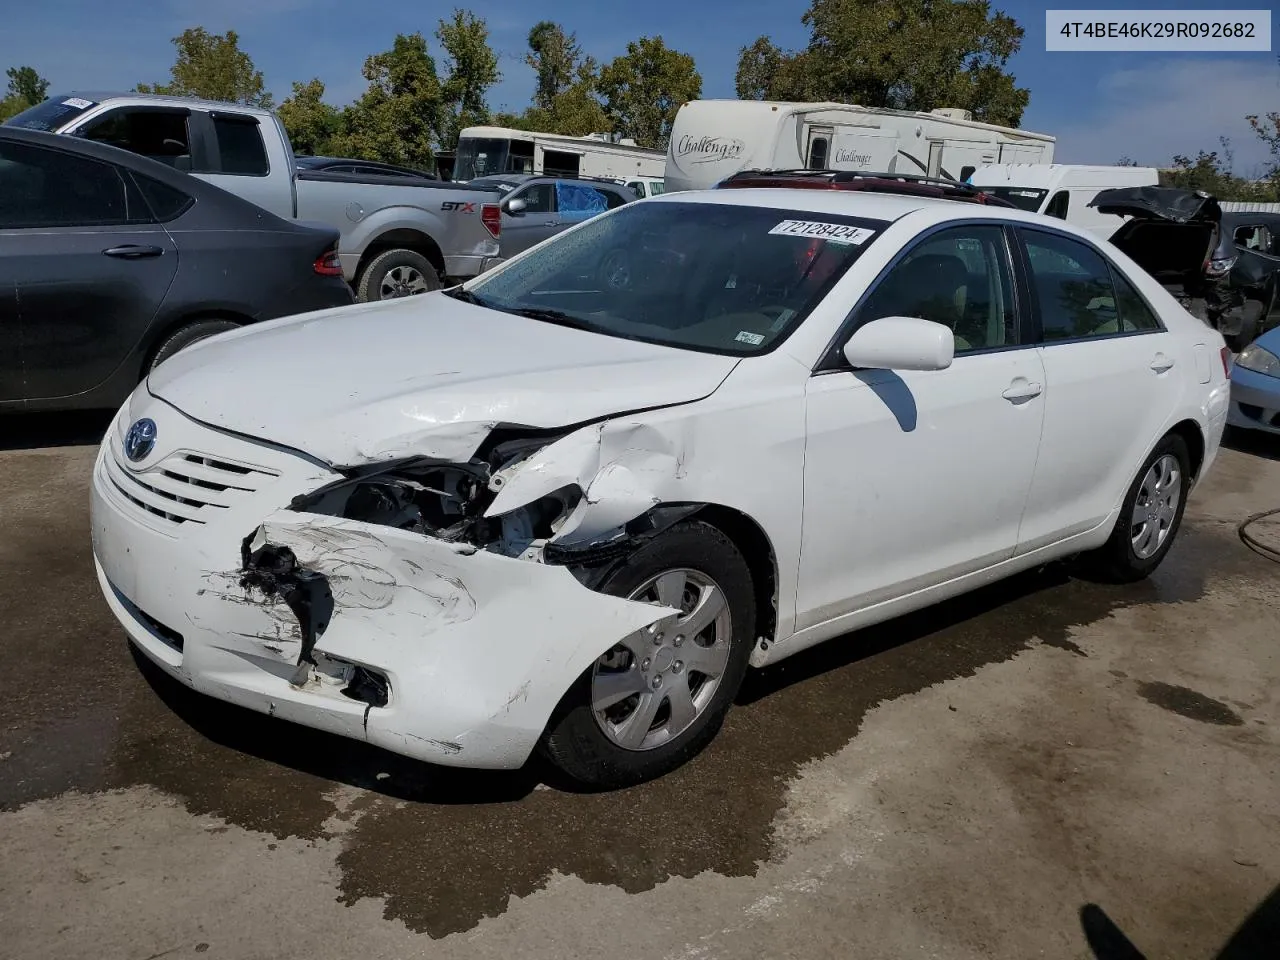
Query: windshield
{"points": [[1024, 197], [721, 278], [51, 115], [480, 158]]}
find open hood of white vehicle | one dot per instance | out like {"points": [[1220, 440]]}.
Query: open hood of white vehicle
{"points": [[420, 376]]}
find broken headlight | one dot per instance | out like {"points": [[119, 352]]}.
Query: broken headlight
{"points": [[442, 500]]}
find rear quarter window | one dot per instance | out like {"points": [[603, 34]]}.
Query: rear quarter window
{"points": [[166, 202], [240, 147]]}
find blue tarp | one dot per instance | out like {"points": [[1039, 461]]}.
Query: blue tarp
{"points": [[577, 202]]}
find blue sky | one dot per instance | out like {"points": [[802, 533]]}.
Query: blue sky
{"points": [[1100, 106]]}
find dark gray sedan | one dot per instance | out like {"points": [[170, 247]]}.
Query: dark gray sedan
{"points": [[110, 263]]}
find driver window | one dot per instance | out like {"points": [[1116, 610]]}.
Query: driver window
{"points": [[538, 198], [159, 134], [960, 278]]}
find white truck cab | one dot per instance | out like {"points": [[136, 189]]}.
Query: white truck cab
{"points": [[1063, 190]]}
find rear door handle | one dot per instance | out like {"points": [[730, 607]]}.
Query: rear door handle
{"points": [[133, 251], [1161, 363], [1022, 389]]}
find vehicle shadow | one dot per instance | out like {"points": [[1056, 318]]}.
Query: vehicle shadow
{"points": [[899, 632], [34, 431], [1253, 442], [331, 757], [1258, 937]]}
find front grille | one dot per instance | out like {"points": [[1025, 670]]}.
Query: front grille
{"points": [[185, 487]]}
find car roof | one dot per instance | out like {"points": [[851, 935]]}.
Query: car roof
{"points": [[868, 204], [100, 96]]}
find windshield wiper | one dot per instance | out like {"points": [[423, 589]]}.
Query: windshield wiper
{"points": [[558, 317], [466, 296]]}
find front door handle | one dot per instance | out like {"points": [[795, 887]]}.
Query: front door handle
{"points": [[1161, 363], [1022, 390], [133, 251]]}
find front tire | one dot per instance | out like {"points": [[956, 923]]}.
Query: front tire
{"points": [[1149, 519], [397, 273], [653, 701]]}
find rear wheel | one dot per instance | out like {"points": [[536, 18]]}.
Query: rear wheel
{"points": [[1149, 519], [397, 273], [655, 699], [185, 336]]}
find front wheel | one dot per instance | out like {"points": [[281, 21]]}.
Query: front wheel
{"points": [[1149, 519], [655, 699]]}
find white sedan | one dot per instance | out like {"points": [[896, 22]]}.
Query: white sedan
{"points": [[566, 506]]}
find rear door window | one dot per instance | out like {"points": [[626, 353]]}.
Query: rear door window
{"points": [[241, 151], [1072, 287], [48, 188]]}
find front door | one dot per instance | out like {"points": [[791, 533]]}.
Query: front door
{"points": [[91, 272], [915, 478], [534, 223]]}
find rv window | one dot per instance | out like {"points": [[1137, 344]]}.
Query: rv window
{"points": [[818, 153], [1058, 205], [558, 164], [521, 157]]}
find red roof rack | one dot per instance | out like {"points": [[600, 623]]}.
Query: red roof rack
{"points": [[901, 183]]}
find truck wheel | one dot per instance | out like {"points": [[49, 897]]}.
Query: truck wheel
{"points": [[186, 336], [397, 273]]}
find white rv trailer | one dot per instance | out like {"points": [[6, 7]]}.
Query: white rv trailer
{"points": [[1063, 190], [489, 151], [713, 139]]}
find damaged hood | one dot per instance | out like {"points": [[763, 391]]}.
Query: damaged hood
{"points": [[420, 376]]}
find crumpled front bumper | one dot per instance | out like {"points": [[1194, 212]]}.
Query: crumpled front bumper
{"points": [[476, 648]]}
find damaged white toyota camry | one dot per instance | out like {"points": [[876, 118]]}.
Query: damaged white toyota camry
{"points": [[566, 506]]}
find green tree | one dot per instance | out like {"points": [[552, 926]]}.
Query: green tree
{"points": [[213, 67], [397, 118], [312, 124], [643, 89], [564, 99], [27, 85], [1268, 130], [900, 54], [758, 66], [472, 68], [555, 57], [26, 89]]}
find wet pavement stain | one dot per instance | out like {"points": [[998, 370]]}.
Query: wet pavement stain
{"points": [[446, 848], [1188, 703]]}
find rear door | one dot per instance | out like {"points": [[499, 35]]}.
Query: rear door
{"points": [[1111, 378], [91, 269], [534, 223]]}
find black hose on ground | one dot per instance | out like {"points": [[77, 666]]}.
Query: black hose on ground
{"points": [[1271, 553]]}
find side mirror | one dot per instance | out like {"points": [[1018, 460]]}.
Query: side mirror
{"points": [[901, 343], [515, 206]]}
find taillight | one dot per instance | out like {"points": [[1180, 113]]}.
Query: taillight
{"points": [[328, 264], [491, 217], [1226, 362]]}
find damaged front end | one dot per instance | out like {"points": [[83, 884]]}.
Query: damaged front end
{"points": [[553, 525]]}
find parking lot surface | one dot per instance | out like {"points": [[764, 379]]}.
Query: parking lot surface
{"points": [[956, 784]]}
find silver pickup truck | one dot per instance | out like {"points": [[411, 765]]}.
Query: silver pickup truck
{"points": [[398, 237]]}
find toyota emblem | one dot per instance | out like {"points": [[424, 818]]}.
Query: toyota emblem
{"points": [[140, 440]]}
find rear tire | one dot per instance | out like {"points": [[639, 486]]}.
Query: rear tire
{"points": [[665, 691], [397, 273], [184, 337], [1149, 519]]}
